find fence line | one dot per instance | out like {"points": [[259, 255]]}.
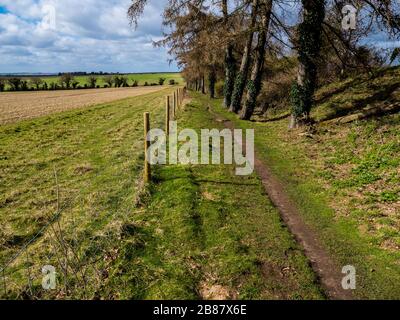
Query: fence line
{"points": [[178, 98]]}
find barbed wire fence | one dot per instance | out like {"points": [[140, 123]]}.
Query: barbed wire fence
{"points": [[60, 253]]}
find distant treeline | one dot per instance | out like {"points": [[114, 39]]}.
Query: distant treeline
{"points": [[67, 81]]}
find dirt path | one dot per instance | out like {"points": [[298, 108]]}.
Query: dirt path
{"points": [[328, 272]]}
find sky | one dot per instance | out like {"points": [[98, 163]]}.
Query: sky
{"points": [[51, 36]]}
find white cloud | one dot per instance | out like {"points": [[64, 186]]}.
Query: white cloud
{"points": [[87, 35]]}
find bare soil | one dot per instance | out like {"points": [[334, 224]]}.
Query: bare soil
{"points": [[17, 106]]}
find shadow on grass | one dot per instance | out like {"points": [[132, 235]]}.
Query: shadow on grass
{"points": [[384, 94]]}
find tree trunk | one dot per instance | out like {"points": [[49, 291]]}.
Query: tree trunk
{"points": [[203, 85], [241, 77], [310, 30], [212, 78], [230, 63], [254, 85]]}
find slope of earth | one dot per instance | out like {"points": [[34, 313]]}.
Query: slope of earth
{"points": [[344, 178]]}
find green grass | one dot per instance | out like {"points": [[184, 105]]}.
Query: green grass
{"points": [[140, 77], [345, 181], [206, 228], [201, 228], [97, 154]]}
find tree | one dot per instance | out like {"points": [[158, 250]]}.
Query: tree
{"points": [[2, 84], [118, 81], [161, 81], [230, 61], [75, 84], [108, 80], [15, 83], [196, 25], [36, 82], [66, 79], [254, 84], [92, 81], [241, 77], [24, 85], [309, 45], [212, 79], [124, 81]]}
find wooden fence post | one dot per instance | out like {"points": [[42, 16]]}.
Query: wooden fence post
{"points": [[167, 116], [174, 105], [147, 169]]}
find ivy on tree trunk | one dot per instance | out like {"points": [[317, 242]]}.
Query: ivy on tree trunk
{"points": [[230, 73], [212, 78], [230, 62], [254, 84], [241, 77], [309, 46]]}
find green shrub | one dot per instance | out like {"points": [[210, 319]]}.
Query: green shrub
{"points": [[15, 83], [119, 81], [124, 81], [161, 81], [24, 85], [36, 82], [171, 82], [109, 80]]}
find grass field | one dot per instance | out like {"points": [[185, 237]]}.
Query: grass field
{"points": [[140, 77], [96, 153]]}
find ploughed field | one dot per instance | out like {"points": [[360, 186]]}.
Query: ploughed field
{"points": [[16, 106]]}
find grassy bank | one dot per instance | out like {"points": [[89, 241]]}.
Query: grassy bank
{"points": [[344, 178]]}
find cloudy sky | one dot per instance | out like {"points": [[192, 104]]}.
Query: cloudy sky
{"points": [[51, 36], [79, 35]]}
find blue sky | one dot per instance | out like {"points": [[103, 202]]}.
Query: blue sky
{"points": [[79, 35]]}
